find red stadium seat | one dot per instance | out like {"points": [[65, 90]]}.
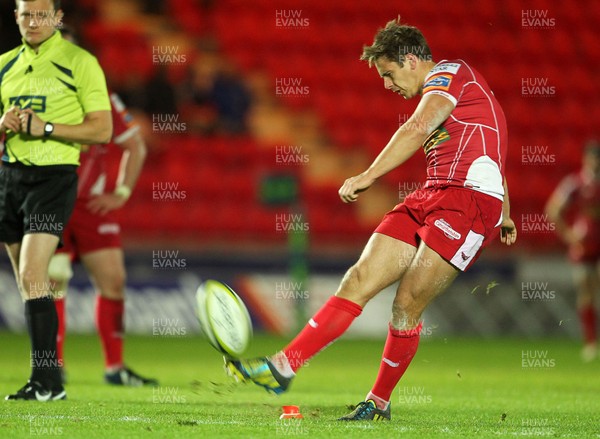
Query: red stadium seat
{"points": [[349, 98]]}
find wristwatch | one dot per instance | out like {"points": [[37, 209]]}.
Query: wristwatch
{"points": [[48, 129]]}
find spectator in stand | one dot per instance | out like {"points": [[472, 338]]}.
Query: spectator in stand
{"points": [[232, 100], [220, 100]]}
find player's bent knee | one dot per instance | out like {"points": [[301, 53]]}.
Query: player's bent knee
{"points": [[113, 287], [356, 275], [353, 285], [119, 281], [60, 268]]}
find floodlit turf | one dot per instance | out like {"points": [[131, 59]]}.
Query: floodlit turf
{"points": [[454, 388]]}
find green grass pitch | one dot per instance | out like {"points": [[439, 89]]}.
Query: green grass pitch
{"points": [[454, 388]]}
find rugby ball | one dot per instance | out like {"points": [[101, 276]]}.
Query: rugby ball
{"points": [[224, 318]]}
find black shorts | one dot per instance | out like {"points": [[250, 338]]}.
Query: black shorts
{"points": [[36, 199]]}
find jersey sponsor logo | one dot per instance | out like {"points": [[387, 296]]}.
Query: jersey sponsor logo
{"points": [[440, 135], [36, 103], [109, 229], [449, 67], [438, 82], [447, 229]]}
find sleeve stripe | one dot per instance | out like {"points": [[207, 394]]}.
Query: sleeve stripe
{"points": [[66, 71], [8, 66], [126, 135], [69, 86], [442, 93]]}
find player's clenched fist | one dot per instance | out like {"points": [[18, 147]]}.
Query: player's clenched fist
{"points": [[10, 120], [353, 186]]}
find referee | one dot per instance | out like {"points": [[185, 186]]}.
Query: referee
{"points": [[53, 98]]}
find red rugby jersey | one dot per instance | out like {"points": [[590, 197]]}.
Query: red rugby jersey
{"points": [[581, 194], [92, 170], [469, 149]]}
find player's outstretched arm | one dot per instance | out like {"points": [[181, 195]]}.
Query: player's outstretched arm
{"points": [[431, 112], [508, 230], [96, 127]]}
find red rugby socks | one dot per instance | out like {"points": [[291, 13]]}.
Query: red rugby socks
{"points": [[329, 323], [109, 320], [400, 348]]}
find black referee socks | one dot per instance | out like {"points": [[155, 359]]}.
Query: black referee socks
{"points": [[42, 324]]}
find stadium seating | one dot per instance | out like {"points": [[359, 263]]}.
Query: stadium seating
{"points": [[355, 110]]}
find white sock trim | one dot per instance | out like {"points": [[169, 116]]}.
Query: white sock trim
{"points": [[377, 399], [282, 364]]}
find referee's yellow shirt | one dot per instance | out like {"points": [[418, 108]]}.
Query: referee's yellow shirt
{"points": [[61, 83]]}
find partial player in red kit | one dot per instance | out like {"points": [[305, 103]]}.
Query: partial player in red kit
{"points": [[574, 207], [93, 236], [437, 231]]}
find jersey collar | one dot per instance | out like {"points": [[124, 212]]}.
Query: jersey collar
{"points": [[45, 46]]}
